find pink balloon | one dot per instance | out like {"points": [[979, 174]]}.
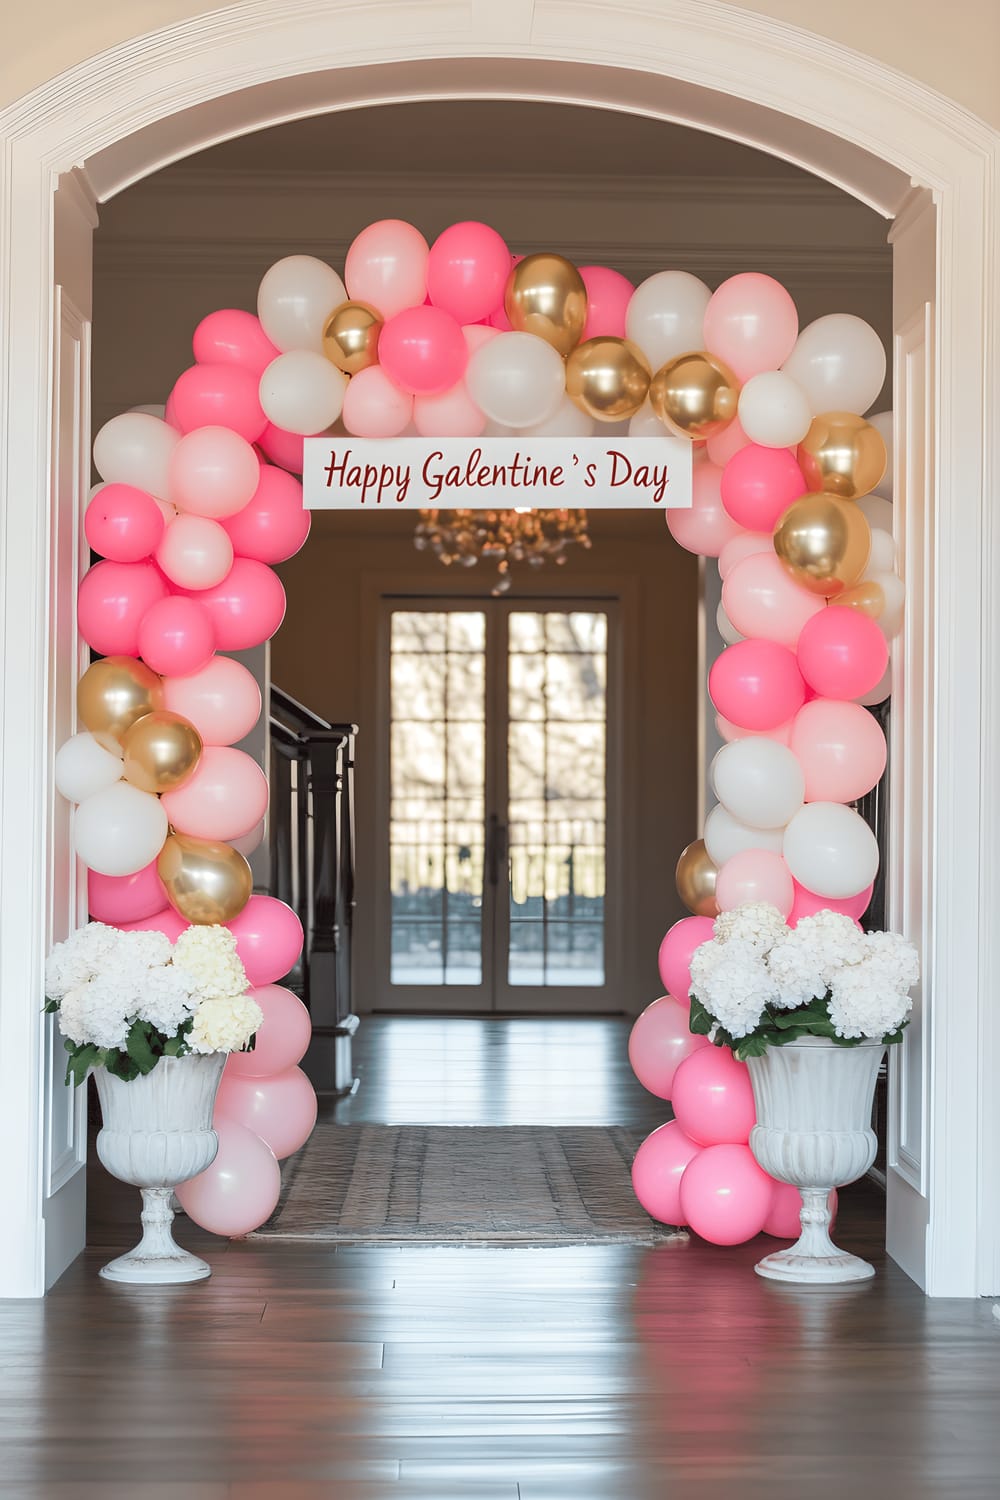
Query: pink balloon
{"points": [[112, 600], [374, 407], [659, 1042], [283, 448], [125, 898], [222, 395], [842, 653], [499, 320], [751, 323], [240, 1190], [759, 484], [841, 749], [225, 797], [730, 732], [659, 1165], [422, 351], [123, 523], [452, 414], [233, 337], [213, 472], [273, 525], [282, 1038], [176, 637], [726, 443], [746, 544], [786, 1204], [676, 950], [755, 875], [467, 271], [713, 1099], [167, 921], [195, 552], [246, 607], [761, 600], [707, 526], [725, 1196], [608, 297], [807, 903], [387, 266], [222, 700], [757, 684], [281, 1109], [268, 939]]}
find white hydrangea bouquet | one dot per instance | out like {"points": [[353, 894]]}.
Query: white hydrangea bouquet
{"points": [[126, 999], [759, 983]]}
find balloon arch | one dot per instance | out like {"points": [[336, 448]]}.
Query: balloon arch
{"points": [[463, 338]]}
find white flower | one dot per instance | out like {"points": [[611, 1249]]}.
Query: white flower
{"points": [[733, 984], [97, 1012], [757, 923], [140, 950], [863, 1004], [167, 999], [899, 957], [225, 1024], [805, 962], [79, 958], [209, 954]]}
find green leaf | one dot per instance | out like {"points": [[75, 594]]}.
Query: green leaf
{"points": [[139, 1047], [754, 1045], [82, 1059], [122, 1066], [700, 1021], [50, 1007], [173, 1046]]}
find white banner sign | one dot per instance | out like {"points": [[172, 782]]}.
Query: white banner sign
{"points": [[549, 473]]}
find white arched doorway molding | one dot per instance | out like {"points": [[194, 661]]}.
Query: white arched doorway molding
{"points": [[127, 112]]}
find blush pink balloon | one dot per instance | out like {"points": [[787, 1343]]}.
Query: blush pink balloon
{"points": [[746, 544], [608, 296], [283, 448], [247, 607], [807, 904], [194, 552], [759, 484], [730, 732], [467, 271], [755, 875], [374, 407], [222, 395], [125, 898], [713, 1099], [222, 700], [757, 684], [477, 334], [726, 443], [240, 1190], [422, 351], [213, 472], [452, 414], [707, 526], [783, 1221], [176, 637], [387, 266], [282, 1038], [122, 523], [167, 921], [274, 524], [232, 336], [268, 939], [841, 749], [751, 323], [676, 951], [842, 653], [659, 1165], [659, 1042], [725, 1196], [281, 1109], [112, 600], [224, 798], [761, 600]]}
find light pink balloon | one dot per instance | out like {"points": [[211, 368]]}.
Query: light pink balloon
{"points": [[713, 1099], [283, 448], [268, 939], [246, 607], [807, 904], [751, 323], [222, 700], [221, 395], [731, 732], [467, 271], [281, 1109], [374, 407], [112, 600], [195, 552], [746, 544], [762, 600], [608, 296], [274, 524], [225, 798], [676, 951], [707, 526], [755, 875], [387, 266], [123, 523], [452, 414], [726, 443], [422, 351], [176, 636], [167, 921], [659, 1165], [841, 749], [213, 472], [842, 653], [782, 1221], [125, 898], [240, 1190], [232, 336], [759, 484], [282, 1038], [659, 1042], [725, 1196], [757, 684]]}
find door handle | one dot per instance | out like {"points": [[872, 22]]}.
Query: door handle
{"points": [[496, 848]]}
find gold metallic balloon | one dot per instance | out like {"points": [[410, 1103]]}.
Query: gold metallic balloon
{"points": [[824, 543], [546, 296], [696, 880], [867, 596], [608, 378], [206, 882], [350, 336], [161, 751], [113, 693], [695, 395], [842, 454]]}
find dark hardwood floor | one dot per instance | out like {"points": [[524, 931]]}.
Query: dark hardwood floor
{"points": [[301, 1371]]}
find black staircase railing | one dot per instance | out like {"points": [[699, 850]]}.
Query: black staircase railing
{"points": [[312, 869]]}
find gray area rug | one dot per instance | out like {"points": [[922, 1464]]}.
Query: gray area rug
{"points": [[460, 1185]]}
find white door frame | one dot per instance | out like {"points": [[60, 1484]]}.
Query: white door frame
{"points": [[125, 112]]}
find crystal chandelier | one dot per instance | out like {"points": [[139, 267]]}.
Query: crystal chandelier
{"points": [[501, 536]]}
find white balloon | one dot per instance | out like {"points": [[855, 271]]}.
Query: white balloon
{"points": [[890, 621], [517, 379], [156, 409], [880, 692], [665, 315], [882, 422], [120, 830], [831, 850], [566, 421], [84, 767], [725, 836], [250, 841], [294, 300], [726, 628], [302, 392], [773, 410], [882, 558], [878, 510], [839, 362], [135, 448], [759, 781], [646, 423]]}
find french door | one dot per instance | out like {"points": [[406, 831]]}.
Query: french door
{"points": [[497, 799]]}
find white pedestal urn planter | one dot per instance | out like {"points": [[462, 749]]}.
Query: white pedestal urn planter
{"points": [[158, 1132], [814, 1109]]}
